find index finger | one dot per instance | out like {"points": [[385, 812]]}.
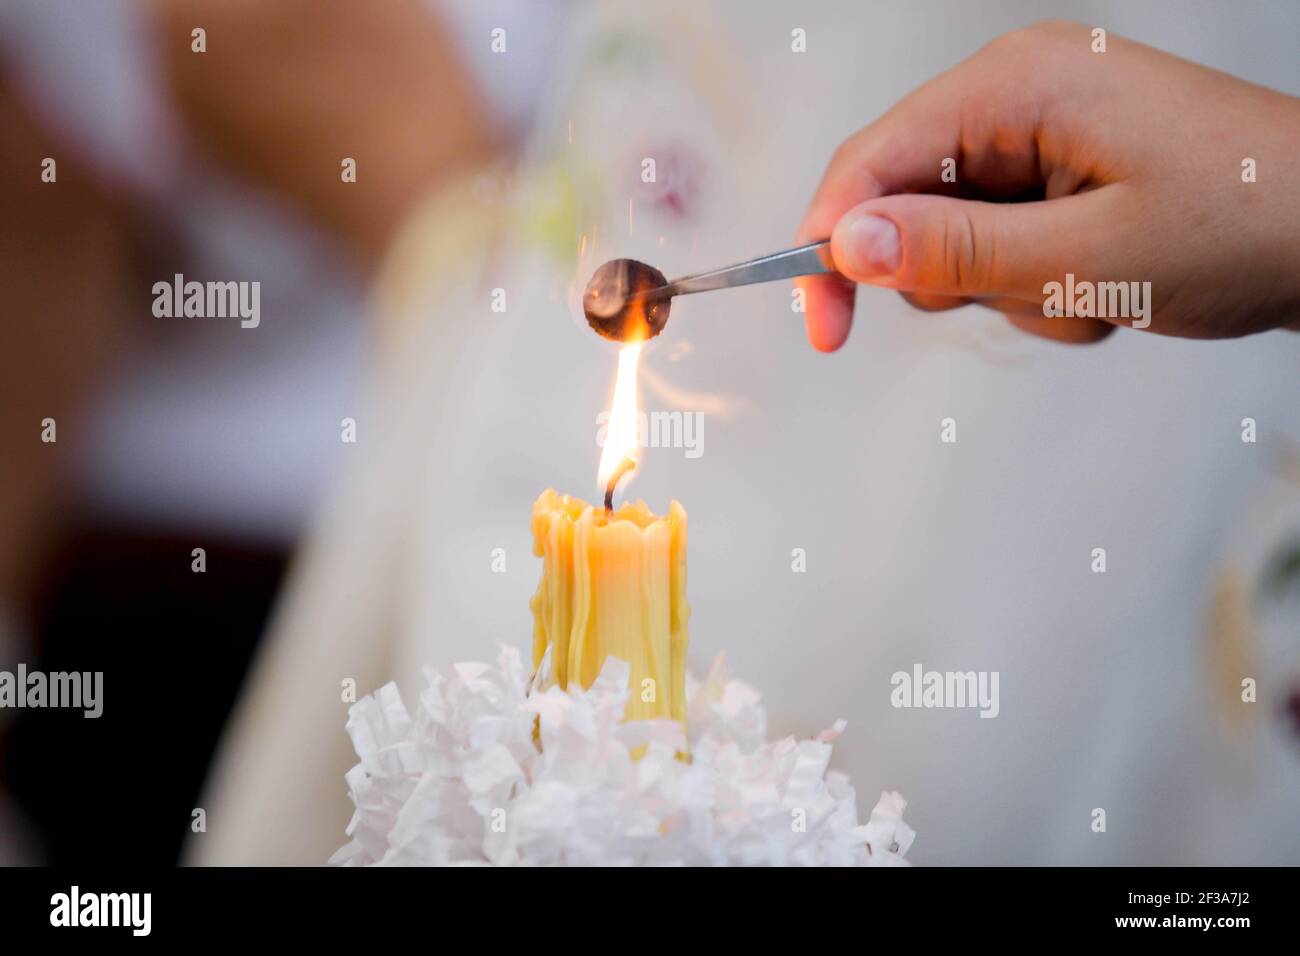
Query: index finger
{"points": [[974, 115], [879, 159]]}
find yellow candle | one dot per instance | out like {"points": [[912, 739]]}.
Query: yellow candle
{"points": [[613, 584]]}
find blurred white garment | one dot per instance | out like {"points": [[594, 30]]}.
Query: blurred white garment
{"points": [[967, 556]]}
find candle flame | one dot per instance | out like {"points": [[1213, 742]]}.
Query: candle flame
{"points": [[621, 434]]}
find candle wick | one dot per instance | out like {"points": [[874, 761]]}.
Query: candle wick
{"points": [[624, 466]]}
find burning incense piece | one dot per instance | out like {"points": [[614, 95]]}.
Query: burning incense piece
{"points": [[616, 305]]}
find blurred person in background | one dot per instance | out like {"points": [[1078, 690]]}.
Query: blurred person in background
{"points": [[221, 163]]}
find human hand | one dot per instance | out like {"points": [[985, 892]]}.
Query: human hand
{"points": [[1134, 165]]}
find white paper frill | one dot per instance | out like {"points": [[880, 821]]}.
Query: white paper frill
{"points": [[463, 782]]}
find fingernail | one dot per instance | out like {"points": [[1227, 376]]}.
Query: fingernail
{"points": [[870, 245]]}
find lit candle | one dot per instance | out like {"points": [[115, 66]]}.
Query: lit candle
{"points": [[614, 580]]}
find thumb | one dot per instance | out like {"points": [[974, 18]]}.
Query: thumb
{"points": [[960, 247]]}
